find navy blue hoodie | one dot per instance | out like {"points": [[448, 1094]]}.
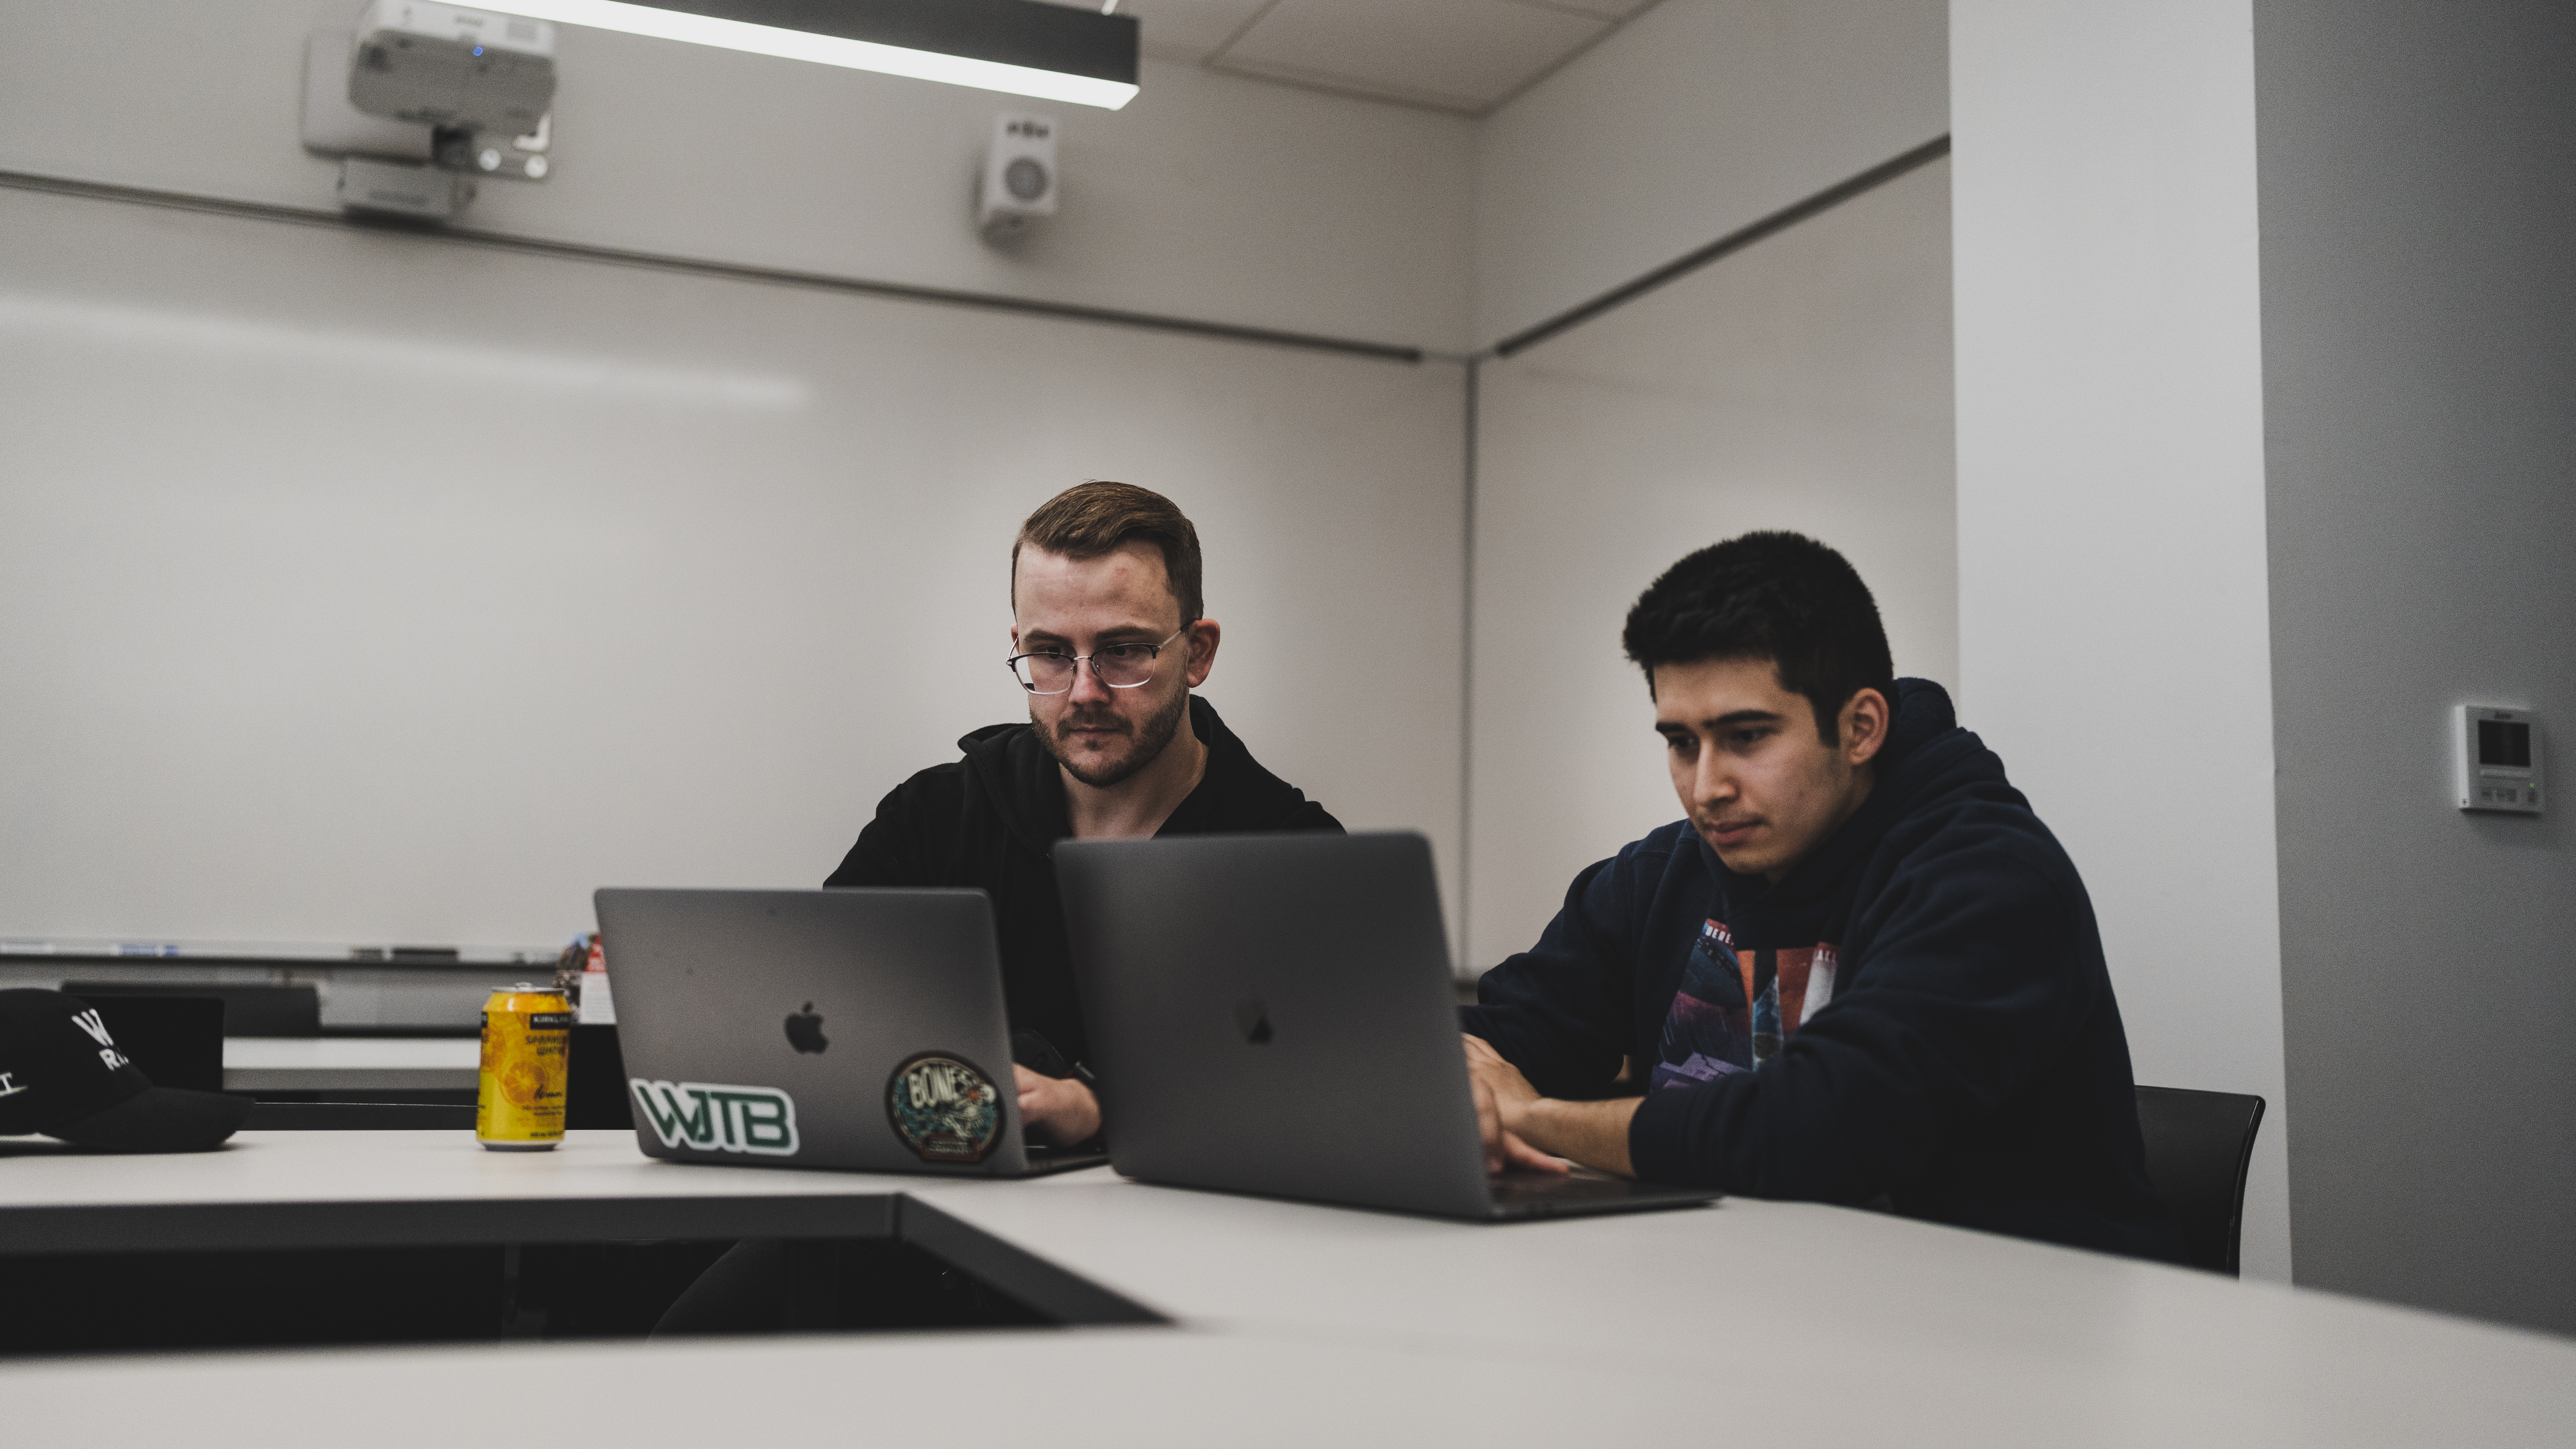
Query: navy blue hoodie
{"points": [[1918, 1012]]}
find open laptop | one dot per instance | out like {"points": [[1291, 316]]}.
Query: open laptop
{"points": [[828, 1028], [1274, 1014]]}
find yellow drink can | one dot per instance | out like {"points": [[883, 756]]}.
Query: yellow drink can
{"points": [[527, 1057]]}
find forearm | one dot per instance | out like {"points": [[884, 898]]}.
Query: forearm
{"points": [[1592, 1133]]}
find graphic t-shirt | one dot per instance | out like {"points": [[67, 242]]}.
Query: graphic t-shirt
{"points": [[1734, 1008]]}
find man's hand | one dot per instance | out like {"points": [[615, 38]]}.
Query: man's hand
{"points": [[1059, 1109], [1502, 1095], [1521, 1127]]}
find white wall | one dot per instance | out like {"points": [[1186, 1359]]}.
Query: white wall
{"points": [[1687, 123], [1802, 383], [2114, 635], [363, 588], [1233, 200], [2419, 187]]}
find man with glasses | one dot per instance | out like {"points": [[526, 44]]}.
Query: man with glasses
{"points": [[1108, 643]]}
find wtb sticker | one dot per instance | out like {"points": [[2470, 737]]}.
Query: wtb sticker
{"points": [[943, 1108], [715, 1118]]}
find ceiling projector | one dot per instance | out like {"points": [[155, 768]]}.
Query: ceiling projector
{"points": [[453, 68]]}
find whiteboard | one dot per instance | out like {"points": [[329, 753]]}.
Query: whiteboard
{"points": [[359, 587]]}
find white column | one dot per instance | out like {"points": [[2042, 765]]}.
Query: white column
{"points": [[2113, 612]]}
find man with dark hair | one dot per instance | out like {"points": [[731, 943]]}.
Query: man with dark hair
{"points": [[1860, 971], [1108, 642]]}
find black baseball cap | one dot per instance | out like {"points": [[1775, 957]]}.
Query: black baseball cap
{"points": [[62, 1075]]}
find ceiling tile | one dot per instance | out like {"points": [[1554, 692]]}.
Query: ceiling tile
{"points": [[1461, 54]]}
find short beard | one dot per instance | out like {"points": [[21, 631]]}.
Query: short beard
{"points": [[1151, 739]]}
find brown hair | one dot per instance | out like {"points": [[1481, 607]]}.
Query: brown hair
{"points": [[1090, 519]]}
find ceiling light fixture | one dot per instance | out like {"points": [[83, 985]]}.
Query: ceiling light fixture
{"points": [[1022, 47]]}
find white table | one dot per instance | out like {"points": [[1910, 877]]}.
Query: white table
{"points": [[1746, 1322], [350, 1063]]}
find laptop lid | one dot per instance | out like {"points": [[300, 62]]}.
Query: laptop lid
{"points": [[1275, 1014], [818, 1028]]}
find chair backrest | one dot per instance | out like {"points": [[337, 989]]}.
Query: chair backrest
{"points": [[260, 1010], [595, 1094], [2199, 1148], [177, 1040]]}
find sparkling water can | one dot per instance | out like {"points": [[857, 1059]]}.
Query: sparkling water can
{"points": [[527, 1054]]}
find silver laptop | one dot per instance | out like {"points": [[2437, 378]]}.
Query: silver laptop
{"points": [[1274, 1014], [828, 1028]]}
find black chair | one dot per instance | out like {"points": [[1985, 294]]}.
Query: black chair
{"points": [[177, 1040], [248, 1010], [595, 1086], [594, 1096], [2199, 1148]]}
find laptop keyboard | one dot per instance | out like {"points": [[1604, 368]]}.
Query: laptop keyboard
{"points": [[1511, 1189]]}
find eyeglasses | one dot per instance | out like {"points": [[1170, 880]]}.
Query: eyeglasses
{"points": [[1120, 666]]}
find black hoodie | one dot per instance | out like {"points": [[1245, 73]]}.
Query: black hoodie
{"points": [[1917, 1012], [991, 819]]}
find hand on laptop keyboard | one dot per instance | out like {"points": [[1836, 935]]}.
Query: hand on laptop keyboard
{"points": [[1059, 1110], [1501, 1091]]}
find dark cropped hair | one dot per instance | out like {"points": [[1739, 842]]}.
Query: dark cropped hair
{"points": [[1777, 596], [1094, 518]]}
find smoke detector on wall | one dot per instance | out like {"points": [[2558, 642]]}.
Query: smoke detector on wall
{"points": [[1020, 180]]}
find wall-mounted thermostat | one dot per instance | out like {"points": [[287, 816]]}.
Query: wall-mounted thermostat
{"points": [[2499, 758]]}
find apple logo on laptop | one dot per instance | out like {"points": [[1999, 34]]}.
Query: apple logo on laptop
{"points": [[805, 1030], [1254, 1019]]}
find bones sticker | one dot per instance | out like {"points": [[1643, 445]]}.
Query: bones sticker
{"points": [[944, 1108]]}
